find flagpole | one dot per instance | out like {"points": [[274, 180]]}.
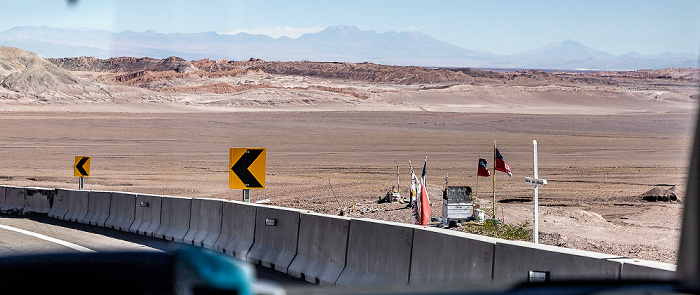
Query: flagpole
{"points": [[410, 193], [535, 230], [493, 201], [476, 195], [398, 187]]}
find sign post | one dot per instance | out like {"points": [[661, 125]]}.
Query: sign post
{"points": [[398, 187], [247, 170], [535, 183], [246, 195], [81, 169]]}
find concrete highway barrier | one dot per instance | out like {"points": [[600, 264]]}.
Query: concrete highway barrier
{"points": [[276, 236], [174, 219], [98, 208], [205, 223], [77, 206], [2, 195], [122, 209], [323, 242], [514, 260], [379, 253], [14, 200], [38, 200], [446, 256], [237, 229], [59, 208], [147, 215], [329, 249], [636, 269]]}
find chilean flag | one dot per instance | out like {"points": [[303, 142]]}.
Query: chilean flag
{"points": [[483, 171], [501, 164]]}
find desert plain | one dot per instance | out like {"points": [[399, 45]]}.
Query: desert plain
{"points": [[333, 142]]}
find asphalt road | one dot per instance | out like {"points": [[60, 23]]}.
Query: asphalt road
{"points": [[42, 234]]}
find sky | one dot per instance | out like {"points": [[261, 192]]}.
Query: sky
{"points": [[499, 27]]}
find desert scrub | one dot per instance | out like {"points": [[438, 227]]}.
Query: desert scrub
{"points": [[516, 232]]}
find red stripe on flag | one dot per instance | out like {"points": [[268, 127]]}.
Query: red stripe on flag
{"points": [[424, 208]]}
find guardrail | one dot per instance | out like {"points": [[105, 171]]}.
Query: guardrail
{"points": [[325, 249]]}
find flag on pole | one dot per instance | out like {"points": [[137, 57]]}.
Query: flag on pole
{"points": [[424, 206], [414, 192], [425, 171], [423, 200], [483, 171], [501, 164]]}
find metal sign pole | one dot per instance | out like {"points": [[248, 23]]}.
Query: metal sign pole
{"points": [[398, 187], [246, 195], [535, 230], [81, 182], [493, 200]]}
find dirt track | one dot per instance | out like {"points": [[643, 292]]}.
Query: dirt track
{"points": [[344, 161]]}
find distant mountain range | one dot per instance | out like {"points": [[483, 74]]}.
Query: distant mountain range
{"points": [[339, 43]]}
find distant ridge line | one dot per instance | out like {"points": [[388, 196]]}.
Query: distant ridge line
{"points": [[339, 43]]}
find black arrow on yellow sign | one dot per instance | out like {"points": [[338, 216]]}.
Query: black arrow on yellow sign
{"points": [[241, 168], [80, 166]]}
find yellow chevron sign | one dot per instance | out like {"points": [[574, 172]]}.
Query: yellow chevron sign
{"points": [[246, 168], [82, 166]]}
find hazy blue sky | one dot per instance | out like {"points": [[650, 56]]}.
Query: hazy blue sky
{"points": [[500, 27]]}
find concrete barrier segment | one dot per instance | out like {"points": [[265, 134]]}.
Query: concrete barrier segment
{"points": [[447, 256], [77, 206], [147, 214], [38, 200], [276, 237], [122, 209], [59, 208], [322, 248], [379, 253], [636, 269], [3, 189], [237, 229], [14, 200], [205, 223], [98, 208], [515, 259], [174, 219]]}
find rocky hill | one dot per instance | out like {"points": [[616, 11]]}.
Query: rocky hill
{"points": [[136, 71], [369, 72], [123, 64], [687, 74], [23, 71], [28, 78]]}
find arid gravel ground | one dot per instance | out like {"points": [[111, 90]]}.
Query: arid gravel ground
{"points": [[333, 162]]}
